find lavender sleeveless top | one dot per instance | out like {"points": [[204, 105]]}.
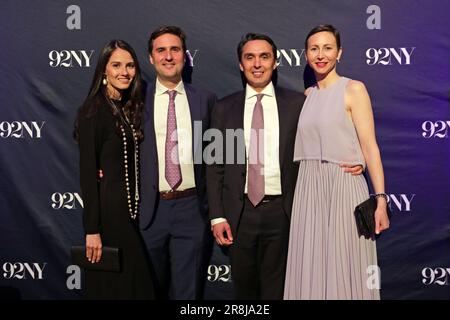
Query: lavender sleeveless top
{"points": [[325, 132]]}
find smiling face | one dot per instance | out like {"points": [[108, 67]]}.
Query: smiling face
{"points": [[167, 56], [322, 53], [120, 71], [257, 62]]}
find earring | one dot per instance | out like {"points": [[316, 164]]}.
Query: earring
{"points": [[338, 60], [105, 81]]}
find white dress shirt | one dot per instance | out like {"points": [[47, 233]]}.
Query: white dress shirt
{"points": [[184, 131], [272, 172]]}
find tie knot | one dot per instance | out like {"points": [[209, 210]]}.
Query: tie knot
{"points": [[259, 97], [172, 94]]}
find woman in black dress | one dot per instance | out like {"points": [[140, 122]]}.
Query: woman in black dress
{"points": [[108, 132]]}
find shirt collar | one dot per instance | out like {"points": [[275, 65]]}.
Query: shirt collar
{"points": [[269, 90], [161, 89]]}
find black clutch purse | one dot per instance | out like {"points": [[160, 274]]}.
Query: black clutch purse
{"points": [[365, 216], [110, 260]]}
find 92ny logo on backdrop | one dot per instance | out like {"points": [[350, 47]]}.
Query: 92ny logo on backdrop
{"points": [[23, 270], [66, 200], [401, 202], [21, 129], [389, 56], [439, 276], [290, 57], [220, 273], [435, 129], [70, 58]]}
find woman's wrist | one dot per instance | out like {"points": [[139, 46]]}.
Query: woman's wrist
{"points": [[381, 195], [381, 198]]}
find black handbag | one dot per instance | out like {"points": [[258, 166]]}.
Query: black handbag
{"points": [[110, 260], [365, 216]]}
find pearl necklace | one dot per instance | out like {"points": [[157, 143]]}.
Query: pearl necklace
{"points": [[132, 211]]}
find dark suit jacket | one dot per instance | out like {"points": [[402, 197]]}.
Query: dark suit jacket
{"points": [[226, 182], [200, 105]]}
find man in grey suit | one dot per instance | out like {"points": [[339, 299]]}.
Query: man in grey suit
{"points": [[174, 219]]}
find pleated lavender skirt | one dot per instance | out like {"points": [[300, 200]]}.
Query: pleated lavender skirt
{"points": [[327, 259]]}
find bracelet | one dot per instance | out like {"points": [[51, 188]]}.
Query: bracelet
{"points": [[381, 194]]}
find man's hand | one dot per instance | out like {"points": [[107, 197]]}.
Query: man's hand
{"points": [[354, 170], [222, 233]]}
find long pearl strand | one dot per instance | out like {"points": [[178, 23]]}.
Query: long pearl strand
{"points": [[133, 211]]}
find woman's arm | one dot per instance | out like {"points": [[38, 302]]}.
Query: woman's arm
{"points": [[358, 105], [89, 187]]}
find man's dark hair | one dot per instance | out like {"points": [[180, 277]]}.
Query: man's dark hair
{"points": [[255, 36], [176, 31]]}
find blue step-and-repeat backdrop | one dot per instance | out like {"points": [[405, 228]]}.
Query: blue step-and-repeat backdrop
{"points": [[400, 49]]}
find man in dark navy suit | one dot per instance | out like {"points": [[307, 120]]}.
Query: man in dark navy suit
{"points": [[251, 194], [174, 218]]}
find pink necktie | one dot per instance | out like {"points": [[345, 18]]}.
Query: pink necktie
{"points": [[172, 170], [255, 184]]}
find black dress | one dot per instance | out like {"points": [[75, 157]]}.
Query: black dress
{"points": [[106, 208]]}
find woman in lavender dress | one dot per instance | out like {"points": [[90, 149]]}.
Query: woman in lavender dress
{"points": [[327, 257]]}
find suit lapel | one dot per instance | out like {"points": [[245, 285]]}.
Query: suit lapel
{"points": [[194, 109], [149, 106], [150, 155], [239, 107], [283, 117]]}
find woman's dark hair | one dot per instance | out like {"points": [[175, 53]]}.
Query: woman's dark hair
{"points": [[327, 28], [131, 98]]}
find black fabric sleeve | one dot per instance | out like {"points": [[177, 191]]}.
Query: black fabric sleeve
{"points": [[88, 128], [215, 170]]}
